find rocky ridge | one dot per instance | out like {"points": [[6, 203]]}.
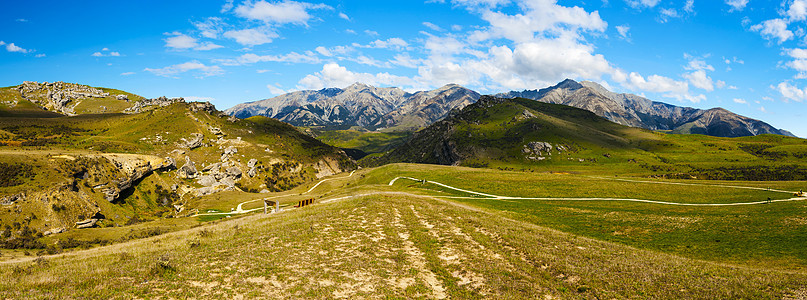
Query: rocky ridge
{"points": [[59, 96], [636, 111], [360, 105]]}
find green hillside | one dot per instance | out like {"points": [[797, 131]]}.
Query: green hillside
{"points": [[526, 134], [128, 168]]}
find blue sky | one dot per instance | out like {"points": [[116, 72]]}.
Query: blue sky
{"points": [[748, 56]]}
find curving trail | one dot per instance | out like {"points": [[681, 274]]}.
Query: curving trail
{"points": [[497, 197], [695, 184], [240, 210]]}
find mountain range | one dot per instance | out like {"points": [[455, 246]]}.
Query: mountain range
{"points": [[360, 105], [375, 108]]}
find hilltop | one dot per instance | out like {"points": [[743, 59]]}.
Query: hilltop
{"points": [[523, 133], [158, 160]]}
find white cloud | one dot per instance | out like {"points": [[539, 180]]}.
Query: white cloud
{"points": [[228, 5], [261, 71], [251, 58], [251, 37], [790, 92], [350, 31], [334, 75], [40, 55], [275, 89], [642, 3], [333, 51], [203, 69], [697, 63], [797, 10], [105, 52], [181, 41], [432, 26], [799, 62], [391, 43], [656, 83], [700, 80], [689, 7], [210, 28], [623, 31], [22, 20], [371, 33], [405, 60], [740, 101], [344, 16], [456, 27], [127, 73], [278, 13], [11, 47], [736, 5], [774, 29]]}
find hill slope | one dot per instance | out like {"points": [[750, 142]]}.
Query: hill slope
{"points": [[360, 105], [117, 169], [522, 133], [636, 111]]}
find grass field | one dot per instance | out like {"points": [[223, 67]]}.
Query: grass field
{"points": [[394, 246], [364, 238]]}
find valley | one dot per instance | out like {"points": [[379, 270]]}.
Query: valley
{"points": [[504, 198]]}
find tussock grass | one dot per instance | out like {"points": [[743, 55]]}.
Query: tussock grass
{"points": [[384, 246]]}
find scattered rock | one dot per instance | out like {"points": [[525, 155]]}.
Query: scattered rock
{"points": [[162, 101], [234, 172], [188, 170], [206, 180], [122, 97], [251, 163], [9, 200], [88, 223], [53, 231], [227, 181], [195, 141]]}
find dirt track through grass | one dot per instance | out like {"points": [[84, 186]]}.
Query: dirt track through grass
{"points": [[606, 199]]}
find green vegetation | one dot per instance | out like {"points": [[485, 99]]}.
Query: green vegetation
{"points": [[368, 142]]}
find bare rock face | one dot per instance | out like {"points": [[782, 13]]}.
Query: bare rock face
{"points": [[360, 105], [10, 200], [53, 231], [58, 96], [188, 170], [133, 167], [88, 223], [195, 141], [161, 101]]}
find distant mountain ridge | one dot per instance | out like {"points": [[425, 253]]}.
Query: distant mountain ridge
{"points": [[360, 105], [636, 111], [377, 108]]}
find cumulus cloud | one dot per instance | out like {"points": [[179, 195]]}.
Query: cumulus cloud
{"points": [[202, 69], [791, 92], [740, 101], [797, 10], [774, 29], [275, 89], [799, 62], [700, 80], [344, 16], [11, 47], [334, 75], [736, 5], [252, 37], [333, 51], [278, 13]]}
